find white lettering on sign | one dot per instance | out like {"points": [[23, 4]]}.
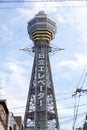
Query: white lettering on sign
{"points": [[40, 76], [41, 82], [41, 68], [41, 88], [40, 95], [41, 62], [41, 56], [40, 102]]}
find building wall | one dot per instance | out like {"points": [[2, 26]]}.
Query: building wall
{"points": [[19, 122], [1, 126], [12, 123], [3, 116], [7, 120]]}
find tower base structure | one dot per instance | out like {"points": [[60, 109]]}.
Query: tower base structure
{"points": [[41, 110]]}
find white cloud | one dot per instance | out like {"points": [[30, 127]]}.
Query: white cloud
{"points": [[25, 13], [49, 7], [64, 111], [82, 23], [81, 28], [79, 61], [16, 105], [2, 85], [76, 15], [73, 13], [2, 93], [14, 78], [6, 32], [16, 75]]}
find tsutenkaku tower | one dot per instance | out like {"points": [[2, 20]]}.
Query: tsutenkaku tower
{"points": [[41, 111]]}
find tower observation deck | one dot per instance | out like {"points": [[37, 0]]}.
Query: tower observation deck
{"points": [[41, 111]]}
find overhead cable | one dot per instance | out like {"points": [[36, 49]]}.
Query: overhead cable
{"points": [[31, 1], [82, 105]]}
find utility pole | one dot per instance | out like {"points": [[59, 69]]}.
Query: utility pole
{"points": [[85, 124], [79, 91]]}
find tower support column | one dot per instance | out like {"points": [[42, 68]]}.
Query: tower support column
{"points": [[41, 89], [41, 110]]}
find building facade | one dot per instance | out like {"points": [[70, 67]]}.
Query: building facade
{"points": [[7, 120], [13, 125], [19, 121], [4, 115]]}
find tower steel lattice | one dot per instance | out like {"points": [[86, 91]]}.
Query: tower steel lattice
{"points": [[41, 111]]}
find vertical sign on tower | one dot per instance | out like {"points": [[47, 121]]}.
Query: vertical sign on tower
{"points": [[41, 76], [41, 88]]}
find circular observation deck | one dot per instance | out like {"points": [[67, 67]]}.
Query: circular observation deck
{"points": [[41, 27]]}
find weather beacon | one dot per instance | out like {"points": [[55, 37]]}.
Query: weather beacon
{"points": [[41, 111]]}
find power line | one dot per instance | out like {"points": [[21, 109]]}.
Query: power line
{"points": [[76, 106], [17, 107], [64, 6], [57, 6], [65, 93], [81, 81], [57, 109], [31, 1], [63, 117], [70, 119], [62, 99], [82, 76], [68, 98], [75, 112], [80, 114]]}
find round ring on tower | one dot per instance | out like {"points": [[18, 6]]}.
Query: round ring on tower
{"points": [[41, 27]]}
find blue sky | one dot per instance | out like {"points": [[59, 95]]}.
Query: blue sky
{"points": [[67, 66]]}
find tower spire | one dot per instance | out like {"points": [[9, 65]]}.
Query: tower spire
{"points": [[41, 111]]}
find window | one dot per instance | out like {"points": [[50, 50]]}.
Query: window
{"points": [[14, 127], [2, 115], [10, 128]]}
